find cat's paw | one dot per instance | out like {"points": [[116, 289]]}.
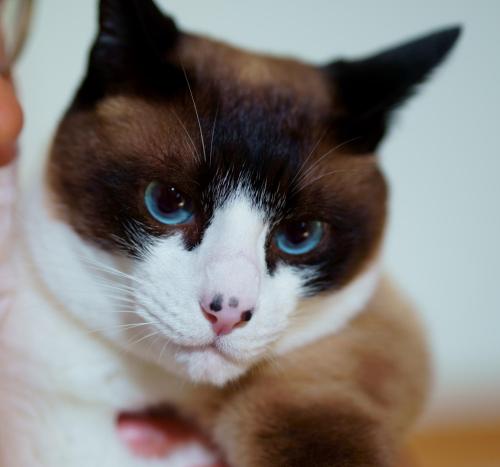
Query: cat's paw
{"points": [[320, 437]]}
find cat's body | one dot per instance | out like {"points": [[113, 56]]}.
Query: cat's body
{"points": [[207, 237]]}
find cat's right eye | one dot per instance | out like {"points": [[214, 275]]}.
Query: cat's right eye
{"points": [[299, 238], [168, 205]]}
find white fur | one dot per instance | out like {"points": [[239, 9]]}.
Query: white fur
{"points": [[326, 315], [69, 364]]}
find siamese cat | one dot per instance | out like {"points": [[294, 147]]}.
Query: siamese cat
{"points": [[206, 237]]}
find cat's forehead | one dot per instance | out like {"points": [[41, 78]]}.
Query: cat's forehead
{"points": [[218, 77], [241, 69], [231, 108]]}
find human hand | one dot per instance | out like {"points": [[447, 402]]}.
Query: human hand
{"points": [[11, 120], [158, 437]]}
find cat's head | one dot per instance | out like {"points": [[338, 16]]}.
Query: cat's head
{"points": [[233, 200]]}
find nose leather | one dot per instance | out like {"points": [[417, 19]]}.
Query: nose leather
{"points": [[224, 321], [230, 292]]}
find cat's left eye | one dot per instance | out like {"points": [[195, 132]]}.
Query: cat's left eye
{"points": [[299, 237], [167, 204]]}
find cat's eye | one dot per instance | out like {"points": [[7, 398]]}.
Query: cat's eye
{"points": [[167, 204], [300, 237]]}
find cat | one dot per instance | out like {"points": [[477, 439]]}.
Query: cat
{"points": [[206, 235]]}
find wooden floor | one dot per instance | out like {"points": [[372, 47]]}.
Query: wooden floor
{"points": [[477, 446]]}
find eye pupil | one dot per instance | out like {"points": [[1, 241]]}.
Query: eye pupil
{"points": [[167, 204], [169, 199], [298, 233], [298, 238]]}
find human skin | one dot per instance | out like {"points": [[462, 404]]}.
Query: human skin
{"points": [[11, 119]]}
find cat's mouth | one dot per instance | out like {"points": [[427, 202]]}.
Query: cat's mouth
{"points": [[215, 348], [210, 364]]}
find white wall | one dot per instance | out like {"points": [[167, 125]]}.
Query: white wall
{"points": [[442, 159]]}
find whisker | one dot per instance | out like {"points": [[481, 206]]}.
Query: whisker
{"points": [[115, 300], [110, 270], [119, 302], [159, 320], [193, 145], [130, 312], [116, 287], [122, 327], [136, 235], [306, 160], [144, 338], [196, 111], [118, 294], [333, 172], [326, 154], [213, 134], [160, 357], [153, 342]]}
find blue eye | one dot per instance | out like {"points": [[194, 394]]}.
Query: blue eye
{"points": [[167, 205], [299, 238]]}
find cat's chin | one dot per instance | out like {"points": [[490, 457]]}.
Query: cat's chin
{"points": [[209, 366]]}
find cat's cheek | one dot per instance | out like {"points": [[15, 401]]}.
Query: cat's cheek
{"points": [[167, 292], [209, 366]]}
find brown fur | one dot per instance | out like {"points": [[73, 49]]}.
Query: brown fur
{"points": [[253, 71], [347, 400]]}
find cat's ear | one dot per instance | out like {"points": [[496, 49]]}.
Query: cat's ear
{"points": [[367, 91], [133, 39], [132, 29]]}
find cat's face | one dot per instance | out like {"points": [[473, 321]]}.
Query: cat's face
{"points": [[236, 196]]}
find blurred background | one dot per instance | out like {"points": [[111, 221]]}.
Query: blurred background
{"points": [[442, 159]]}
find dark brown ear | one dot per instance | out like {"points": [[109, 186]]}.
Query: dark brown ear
{"points": [[368, 90], [131, 44]]}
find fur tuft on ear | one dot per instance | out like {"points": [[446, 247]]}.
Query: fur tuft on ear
{"points": [[368, 90], [132, 41]]}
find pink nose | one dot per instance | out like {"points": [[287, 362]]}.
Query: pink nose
{"points": [[225, 314]]}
